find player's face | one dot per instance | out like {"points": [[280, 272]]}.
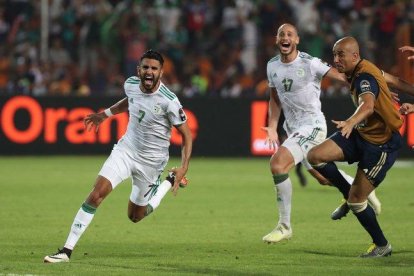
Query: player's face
{"points": [[287, 39], [149, 72], [343, 59]]}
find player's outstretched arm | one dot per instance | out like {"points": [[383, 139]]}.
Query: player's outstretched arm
{"points": [[334, 74], [407, 48], [187, 146], [95, 119], [396, 83], [273, 118], [365, 109]]}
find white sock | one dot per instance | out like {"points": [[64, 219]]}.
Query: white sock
{"points": [[348, 178], [162, 190], [284, 201], [79, 225]]}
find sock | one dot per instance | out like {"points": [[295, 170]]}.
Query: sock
{"points": [[155, 200], [283, 187], [79, 225], [330, 171], [367, 218]]}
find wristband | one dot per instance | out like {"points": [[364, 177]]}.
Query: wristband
{"points": [[108, 112]]}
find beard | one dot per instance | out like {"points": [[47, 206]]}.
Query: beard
{"points": [[150, 85]]}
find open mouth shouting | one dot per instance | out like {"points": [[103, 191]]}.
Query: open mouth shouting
{"points": [[284, 47], [149, 81]]}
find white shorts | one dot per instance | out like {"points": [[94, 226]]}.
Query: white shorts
{"points": [[145, 180], [301, 141]]}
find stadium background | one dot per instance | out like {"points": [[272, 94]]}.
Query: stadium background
{"points": [[60, 60]]}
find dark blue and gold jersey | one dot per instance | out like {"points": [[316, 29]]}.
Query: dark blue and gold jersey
{"points": [[386, 119]]}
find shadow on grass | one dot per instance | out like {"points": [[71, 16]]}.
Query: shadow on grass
{"points": [[177, 269], [403, 258]]}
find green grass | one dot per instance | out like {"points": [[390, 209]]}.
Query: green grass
{"points": [[213, 227]]}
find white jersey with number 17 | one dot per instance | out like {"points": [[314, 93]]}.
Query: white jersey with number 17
{"points": [[298, 86]]}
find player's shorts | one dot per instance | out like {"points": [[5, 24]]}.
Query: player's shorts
{"points": [[374, 160], [300, 142], [120, 166]]}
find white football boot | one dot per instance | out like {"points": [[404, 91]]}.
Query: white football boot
{"points": [[59, 257], [280, 233]]}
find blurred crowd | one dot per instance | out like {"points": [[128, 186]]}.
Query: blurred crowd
{"points": [[212, 48]]}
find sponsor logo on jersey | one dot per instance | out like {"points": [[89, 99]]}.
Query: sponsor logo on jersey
{"points": [[183, 117], [300, 73], [365, 86]]}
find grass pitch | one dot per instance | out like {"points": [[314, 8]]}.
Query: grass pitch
{"points": [[213, 227]]}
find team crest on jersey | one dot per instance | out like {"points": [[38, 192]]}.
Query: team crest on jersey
{"points": [[157, 109], [365, 86], [300, 73]]}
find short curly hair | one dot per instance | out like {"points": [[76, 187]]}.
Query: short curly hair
{"points": [[151, 54]]}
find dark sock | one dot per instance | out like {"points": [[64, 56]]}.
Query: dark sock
{"points": [[368, 219], [330, 171], [67, 251], [302, 178]]}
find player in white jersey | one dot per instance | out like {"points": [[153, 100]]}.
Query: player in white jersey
{"points": [[142, 153], [295, 79]]}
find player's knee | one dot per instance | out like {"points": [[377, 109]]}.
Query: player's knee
{"points": [[313, 158], [277, 168], [357, 207], [95, 198], [354, 197]]}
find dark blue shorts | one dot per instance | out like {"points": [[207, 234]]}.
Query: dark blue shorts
{"points": [[374, 160]]}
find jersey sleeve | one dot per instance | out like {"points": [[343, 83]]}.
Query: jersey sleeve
{"points": [[319, 68], [130, 85], [175, 112], [366, 83]]}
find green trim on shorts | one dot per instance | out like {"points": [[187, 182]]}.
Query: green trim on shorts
{"points": [[311, 137], [88, 208], [279, 178]]}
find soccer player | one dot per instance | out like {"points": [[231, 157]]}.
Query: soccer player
{"points": [[142, 153], [295, 81], [369, 136]]}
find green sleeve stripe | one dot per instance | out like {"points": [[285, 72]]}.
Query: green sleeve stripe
{"points": [[166, 94], [166, 90], [133, 80]]}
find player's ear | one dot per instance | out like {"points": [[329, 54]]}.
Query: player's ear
{"points": [[355, 56], [138, 73], [297, 40], [161, 73]]}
